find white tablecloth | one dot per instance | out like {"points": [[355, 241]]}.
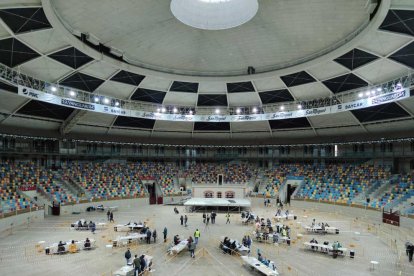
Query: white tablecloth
{"points": [[253, 262]]}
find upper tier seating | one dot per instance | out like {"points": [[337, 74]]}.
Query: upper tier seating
{"points": [[232, 173]]}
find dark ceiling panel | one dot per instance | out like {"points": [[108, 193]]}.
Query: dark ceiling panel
{"points": [[298, 78], [290, 123], [212, 100], [148, 95], [276, 96], [71, 57], [405, 55], [82, 82], [13, 52], [236, 87], [380, 112], [123, 121], [355, 58], [202, 126], [128, 78], [47, 110], [25, 19], [400, 21], [180, 86], [8, 87], [345, 83]]}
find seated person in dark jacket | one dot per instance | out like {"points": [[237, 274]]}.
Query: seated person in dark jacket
{"points": [[87, 243], [176, 240], [61, 247], [80, 224], [85, 225]]}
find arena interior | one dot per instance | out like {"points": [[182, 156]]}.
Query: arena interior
{"points": [[254, 137]]}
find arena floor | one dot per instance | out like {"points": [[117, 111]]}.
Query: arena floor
{"points": [[19, 254]]}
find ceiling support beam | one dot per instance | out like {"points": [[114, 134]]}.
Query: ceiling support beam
{"points": [[67, 125]]}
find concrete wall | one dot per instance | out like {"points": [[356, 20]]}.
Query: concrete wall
{"points": [[124, 204], [198, 190], [368, 215], [20, 220]]}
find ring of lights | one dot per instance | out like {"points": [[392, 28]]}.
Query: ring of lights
{"points": [[29, 87]]}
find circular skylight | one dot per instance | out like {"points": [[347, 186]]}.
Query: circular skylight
{"points": [[214, 14]]}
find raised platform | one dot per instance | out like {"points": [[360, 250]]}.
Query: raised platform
{"points": [[218, 204]]}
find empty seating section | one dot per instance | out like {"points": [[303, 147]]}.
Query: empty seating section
{"points": [[232, 173], [12, 177], [49, 184], [398, 193], [340, 183], [107, 180], [276, 176]]}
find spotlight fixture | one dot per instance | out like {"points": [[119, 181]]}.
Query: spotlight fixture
{"points": [[238, 110], [361, 95], [53, 88], [254, 110], [299, 106], [106, 101], [282, 108], [190, 112], [379, 89], [175, 110], [163, 109], [367, 93], [116, 103], [72, 93], [158, 110], [373, 92], [217, 111], [96, 99]]}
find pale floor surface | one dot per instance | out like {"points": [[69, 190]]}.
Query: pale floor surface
{"points": [[19, 255]]}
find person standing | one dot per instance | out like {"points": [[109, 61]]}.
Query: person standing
{"points": [[149, 236], [410, 251], [111, 217], [181, 219], [165, 234], [208, 219], [191, 248], [185, 220], [213, 217], [154, 235], [196, 236], [137, 266], [108, 215], [204, 217], [128, 256], [228, 218]]}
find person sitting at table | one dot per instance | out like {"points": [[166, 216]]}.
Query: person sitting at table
{"points": [[313, 223], [284, 234], [79, 225], [85, 225], [259, 257], [287, 213], [244, 241], [61, 247], [268, 223], [278, 213], [72, 247], [176, 239], [326, 225], [87, 244], [275, 238]]}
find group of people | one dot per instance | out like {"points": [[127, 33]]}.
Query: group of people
{"points": [[184, 220], [145, 230], [139, 263], [228, 246], [279, 213], [247, 241], [207, 217], [265, 261], [85, 226], [72, 248], [110, 216]]}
